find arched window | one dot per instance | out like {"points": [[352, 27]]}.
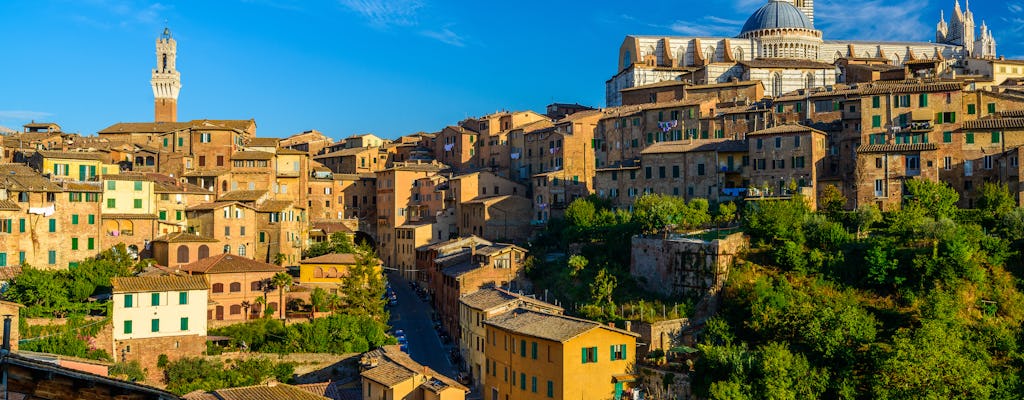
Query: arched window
{"points": [[224, 186], [235, 287], [777, 85], [241, 250], [272, 306], [318, 272], [204, 252], [165, 63], [737, 53], [183, 254], [217, 288], [332, 273], [138, 160], [227, 249], [709, 54], [810, 80], [236, 309], [255, 286]]}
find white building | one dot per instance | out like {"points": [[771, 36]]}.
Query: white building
{"points": [[156, 315], [783, 30]]}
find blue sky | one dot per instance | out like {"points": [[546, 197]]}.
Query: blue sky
{"points": [[391, 67]]}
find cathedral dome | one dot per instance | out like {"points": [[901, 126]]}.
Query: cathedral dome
{"points": [[776, 14]]}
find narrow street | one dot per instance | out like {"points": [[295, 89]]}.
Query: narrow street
{"points": [[412, 315]]}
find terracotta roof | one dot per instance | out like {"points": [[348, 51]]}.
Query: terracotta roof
{"points": [[274, 206], [896, 148], [184, 237], [8, 205], [128, 176], [29, 183], [144, 127], [333, 258], [1012, 113], [252, 155], [394, 367], [681, 146], [559, 328], [330, 227], [994, 123], [243, 195], [785, 63], [10, 272], [488, 199], [332, 390], [75, 186], [48, 367], [73, 155], [490, 298], [783, 129], [227, 263], [292, 152], [264, 142], [159, 283], [276, 391], [913, 87], [207, 172]]}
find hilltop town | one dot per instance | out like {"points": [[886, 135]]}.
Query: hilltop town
{"points": [[768, 197]]}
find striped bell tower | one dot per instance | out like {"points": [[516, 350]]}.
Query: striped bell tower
{"points": [[166, 80]]}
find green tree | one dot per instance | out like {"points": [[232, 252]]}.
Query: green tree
{"points": [[932, 362], [363, 288], [995, 199], [282, 281], [280, 258], [726, 213], [320, 300], [339, 242], [576, 264], [130, 371], [602, 287], [831, 199], [581, 212], [937, 199], [865, 216]]}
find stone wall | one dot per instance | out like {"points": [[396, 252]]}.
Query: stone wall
{"points": [[682, 266]]}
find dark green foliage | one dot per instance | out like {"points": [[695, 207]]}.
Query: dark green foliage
{"points": [[72, 338], [657, 213], [190, 374], [339, 242], [936, 199], [60, 293], [337, 334], [130, 371]]}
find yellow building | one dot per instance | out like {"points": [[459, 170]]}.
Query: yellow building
{"points": [[128, 211], [535, 355], [327, 270], [388, 373], [80, 166]]}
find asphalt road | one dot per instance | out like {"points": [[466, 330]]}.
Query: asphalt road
{"points": [[412, 315]]}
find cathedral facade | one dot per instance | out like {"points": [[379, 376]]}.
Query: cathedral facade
{"points": [[780, 46]]}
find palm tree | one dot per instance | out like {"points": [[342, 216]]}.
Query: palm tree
{"points": [[261, 304], [246, 305], [279, 259], [281, 281]]}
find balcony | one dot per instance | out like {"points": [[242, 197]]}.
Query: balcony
{"points": [[915, 127]]}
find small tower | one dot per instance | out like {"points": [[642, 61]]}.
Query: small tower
{"points": [[942, 29], [969, 27], [166, 79]]}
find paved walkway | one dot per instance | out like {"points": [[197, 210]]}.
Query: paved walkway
{"points": [[412, 315]]}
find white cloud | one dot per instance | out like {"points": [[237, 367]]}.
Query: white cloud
{"points": [[707, 26], [386, 13], [446, 36]]}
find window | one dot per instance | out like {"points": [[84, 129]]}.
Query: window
{"points": [[878, 162], [111, 185], [947, 137], [74, 219], [778, 142], [700, 169], [647, 172], [154, 299], [969, 137], [533, 350], [533, 384], [971, 109], [988, 162], [163, 215], [154, 325], [522, 348], [183, 298], [876, 102], [968, 167], [53, 225], [618, 352], [991, 108], [589, 355], [235, 287], [138, 186], [879, 188], [876, 121], [184, 323], [204, 138], [52, 257], [137, 203], [127, 327], [522, 381], [922, 100], [217, 288], [74, 243], [796, 141], [675, 171], [128, 300], [760, 143], [995, 137], [551, 389]]}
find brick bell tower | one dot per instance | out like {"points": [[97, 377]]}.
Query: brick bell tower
{"points": [[166, 79]]}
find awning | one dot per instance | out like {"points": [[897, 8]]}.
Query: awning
{"points": [[623, 378]]}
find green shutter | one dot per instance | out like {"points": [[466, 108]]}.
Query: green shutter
{"points": [[138, 203], [3, 259], [947, 137], [969, 137], [970, 109], [21, 225], [876, 121], [995, 137], [111, 185], [624, 356], [91, 244], [74, 243], [584, 351], [127, 327], [611, 353], [74, 219], [53, 225], [128, 301], [163, 215], [184, 323], [155, 325], [991, 108], [111, 203], [923, 100], [92, 219], [876, 102], [183, 298], [154, 299]]}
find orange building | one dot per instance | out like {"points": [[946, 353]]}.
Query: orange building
{"points": [[235, 284]]}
